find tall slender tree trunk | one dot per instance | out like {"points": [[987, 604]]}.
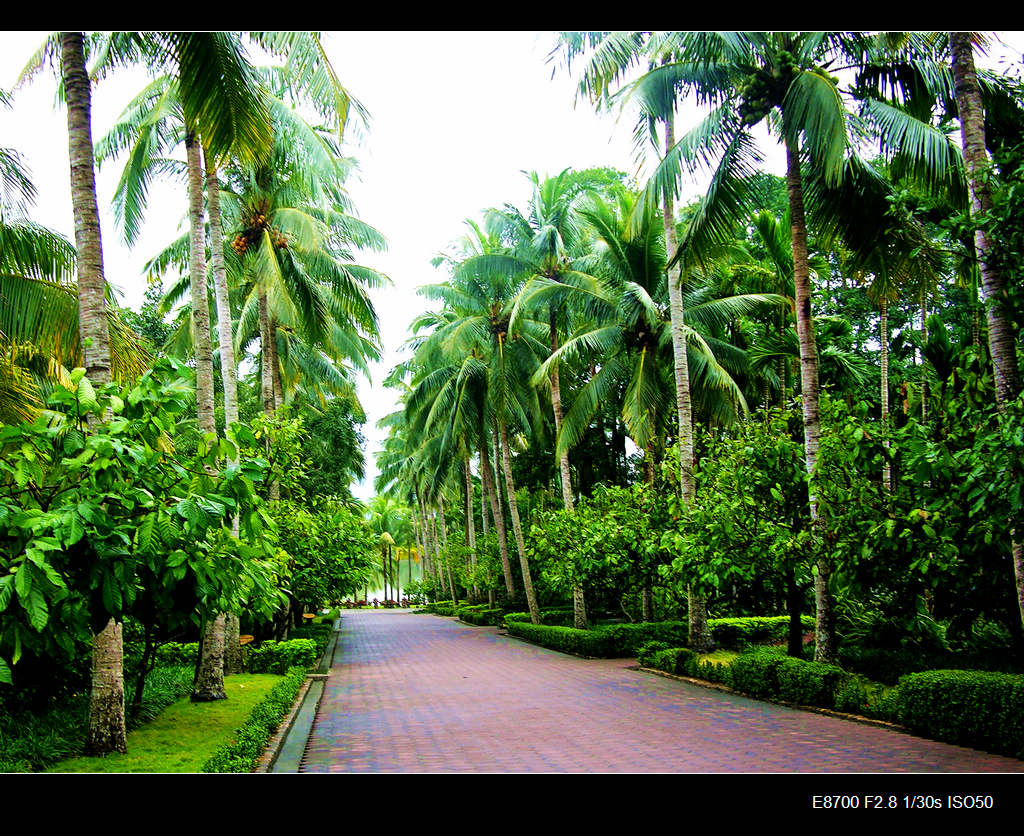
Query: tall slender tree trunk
{"points": [[884, 338], [1000, 326], [579, 602], [484, 526], [556, 407], [517, 529], [924, 360], [209, 682], [824, 649], [106, 731], [266, 367], [491, 489], [225, 329], [470, 526], [699, 631], [228, 373], [200, 295], [93, 327]]}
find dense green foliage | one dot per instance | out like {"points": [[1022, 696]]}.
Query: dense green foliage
{"points": [[102, 520]]}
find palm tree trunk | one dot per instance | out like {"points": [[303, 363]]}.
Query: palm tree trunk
{"points": [[484, 526], [499, 519], [200, 295], [824, 650], [556, 408], [517, 529], [228, 374], [225, 330], [209, 681], [1001, 341], [579, 602], [699, 632], [92, 315], [266, 368], [107, 732], [470, 526], [884, 337]]}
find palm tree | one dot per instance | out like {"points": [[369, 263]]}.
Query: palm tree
{"points": [[1002, 344], [782, 79], [40, 340], [107, 731], [478, 384]]}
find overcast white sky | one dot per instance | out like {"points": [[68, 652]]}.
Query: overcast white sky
{"points": [[456, 118]]}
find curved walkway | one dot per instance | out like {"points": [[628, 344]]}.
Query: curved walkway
{"points": [[420, 693]]}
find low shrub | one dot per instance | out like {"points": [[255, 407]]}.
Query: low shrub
{"points": [[646, 655], [176, 654], [739, 632], [243, 754], [559, 617], [318, 631], [809, 683], [592, 643], [610, 641], [756, 672], [972, 708], [482, 615], [278, 657], [446, 608]]}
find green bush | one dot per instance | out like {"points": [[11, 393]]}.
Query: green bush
{"points": [[278, 657], [647, 653], [972, 708], [559, 617], [809, 683], [441, 608], [243, 754], [756, 672], [482, 615], [318, 631], [610, 641], [738, 632], [176, 654]]}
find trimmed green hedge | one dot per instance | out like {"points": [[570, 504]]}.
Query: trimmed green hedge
{"points": [[683, 662], [766, 673], [318, 631], [737, 632], [481, 615], [267, 657], [446, 608], [610, 641], [278, 657], [972, 708], [559, 617], [176, 654], [244, 753]]}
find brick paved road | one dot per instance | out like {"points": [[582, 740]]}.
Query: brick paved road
{"points": [[420, 693]]}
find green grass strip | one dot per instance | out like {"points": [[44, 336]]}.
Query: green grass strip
{"points": [[185, 735]]}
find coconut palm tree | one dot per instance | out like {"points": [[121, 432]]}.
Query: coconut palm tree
{"points": [[107, 731], [478, 385], [781, 79], [1002, 344]]}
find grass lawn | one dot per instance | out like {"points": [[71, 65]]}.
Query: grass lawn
{"points": [[184, 735]]}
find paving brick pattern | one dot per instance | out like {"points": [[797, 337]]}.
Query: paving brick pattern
{"points": [[420, 693]]}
